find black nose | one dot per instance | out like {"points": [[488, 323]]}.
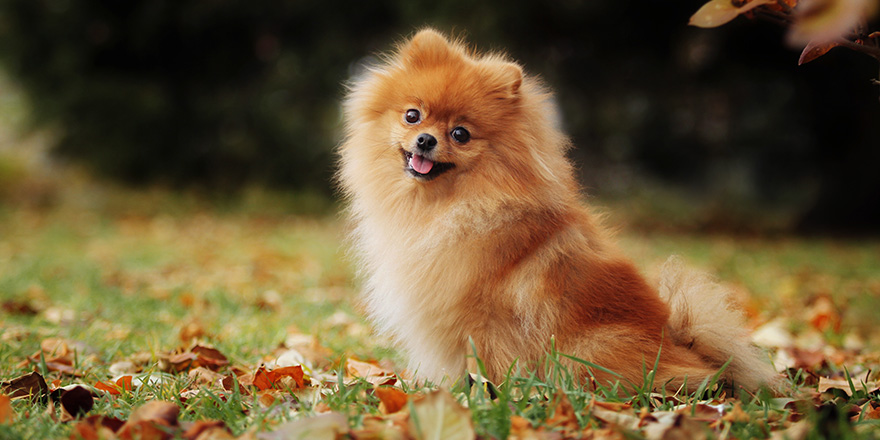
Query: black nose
{"points": [[426, 142]]}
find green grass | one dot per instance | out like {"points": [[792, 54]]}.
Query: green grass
{"points": [[122, 273]]}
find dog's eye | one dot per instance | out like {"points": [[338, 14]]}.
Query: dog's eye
{"points": [[412, 116], [460, 134]]}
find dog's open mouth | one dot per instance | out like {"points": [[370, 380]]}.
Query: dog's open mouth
{"points": [[423, 168]]}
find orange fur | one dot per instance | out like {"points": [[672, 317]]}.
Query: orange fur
{"points": [[497, 247]]}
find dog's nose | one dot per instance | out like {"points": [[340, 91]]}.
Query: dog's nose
{"points": [[426, 142]]}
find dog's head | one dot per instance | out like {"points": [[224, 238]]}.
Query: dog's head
{"points": [[435, 115]]}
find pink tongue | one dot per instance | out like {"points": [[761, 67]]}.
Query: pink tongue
{"points": [[421, 165]]}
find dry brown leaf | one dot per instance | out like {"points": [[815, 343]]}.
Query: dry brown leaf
{"points": [[673, 425], [204, 376], [617, 418], [192, 330], [243, 381], [564, 416], [16, 307], [208, 430], [736, 414], [96, 428], [871, 412], [391, 399], [364, 369], [150, 421], [703, 412], [76, 402], [29, 385], [826, 384], [198, 356], [326, 426], [384, 428], [439, 417]]}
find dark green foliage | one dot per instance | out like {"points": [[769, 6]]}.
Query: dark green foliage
{"points": [[220, 92], [225, 92]]}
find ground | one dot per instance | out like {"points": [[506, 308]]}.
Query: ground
{"points": [[167, 314]]}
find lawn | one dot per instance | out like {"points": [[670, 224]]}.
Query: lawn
{"points": [[156, 314]]}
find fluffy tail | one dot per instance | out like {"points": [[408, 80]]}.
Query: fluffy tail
{"points": [[703, 320]]}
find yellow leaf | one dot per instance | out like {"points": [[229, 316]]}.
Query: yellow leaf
{"points": [[718, 12], [438, 416]]}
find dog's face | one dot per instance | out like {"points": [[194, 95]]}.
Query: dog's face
{"points": [[440, 113]]}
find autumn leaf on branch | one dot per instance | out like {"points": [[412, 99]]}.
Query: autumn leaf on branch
{"points": [[718, 12], [815, 50], [816, 25]]}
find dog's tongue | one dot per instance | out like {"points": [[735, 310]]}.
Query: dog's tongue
{"points": [[421, 165]]}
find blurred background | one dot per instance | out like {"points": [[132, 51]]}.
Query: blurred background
{"points": [[707, 130]]}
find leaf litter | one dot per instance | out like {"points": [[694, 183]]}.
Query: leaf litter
{"points": [[303, 388]]}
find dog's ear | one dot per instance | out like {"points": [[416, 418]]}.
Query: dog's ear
{"points": [[512, 76], [427, 48], [508, 78]]}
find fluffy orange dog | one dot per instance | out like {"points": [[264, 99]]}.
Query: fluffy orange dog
{"points": [[468, 224]]}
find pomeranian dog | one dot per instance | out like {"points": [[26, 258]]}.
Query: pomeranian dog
{"points": [[468, 227]]}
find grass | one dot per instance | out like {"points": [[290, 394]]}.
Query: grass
{"points": [[123, 275]]}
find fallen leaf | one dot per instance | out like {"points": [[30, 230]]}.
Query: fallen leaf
{"points": [[7, 414], [826, 384], [183, 361], [718, 12], [150, 421], [204, 376], [198, 356], [209, 357], [192, 330], [736, 414], [391, 427], [439, 417], [621, 419], [76, 402], [279, 378], [208, 430], [823, 314], [564, 416], [125, 383], [324, 426], [108, 387], [372, 372], [96, 427], [391, 399], [29, 385], [671, 425], [872, 413], [363, 369], [14, 307]]}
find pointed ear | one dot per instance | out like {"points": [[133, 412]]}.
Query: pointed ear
{"points": [[508, 76], [513, 76], [428, 47]]}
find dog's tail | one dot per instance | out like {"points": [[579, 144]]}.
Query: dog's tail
{"points": [[703, 319]]}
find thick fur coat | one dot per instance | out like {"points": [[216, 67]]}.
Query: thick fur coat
{"points": [[468, 224]]}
